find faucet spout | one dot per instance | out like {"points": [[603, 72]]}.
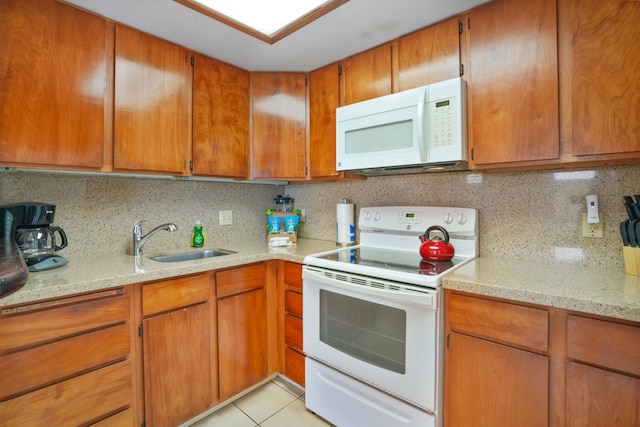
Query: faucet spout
{"points": [[139, 240]]}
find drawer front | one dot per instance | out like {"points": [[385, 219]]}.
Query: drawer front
{"points": [[241, 279], [607, 344], [293, 303], [77, 401], [32, 324], [294, 366], [36, 367], [121, 419], [175, 293], [293, 275], [293, 331], [507, 323]]}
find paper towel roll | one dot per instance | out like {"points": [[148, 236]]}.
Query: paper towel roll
{"points": [[345, 224]]}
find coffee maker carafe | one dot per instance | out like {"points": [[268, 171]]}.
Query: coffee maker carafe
{"points": [[30, 225]]}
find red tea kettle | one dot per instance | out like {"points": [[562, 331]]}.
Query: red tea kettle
{"points": [[436, 249]]}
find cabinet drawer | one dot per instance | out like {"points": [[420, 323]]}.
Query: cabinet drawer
{"points": [[293, 275], [294, 366], [77, 401], [39, 366], [172, 294], [293, 303], [607, 344], [293, 331], [121, 419], [238, 280], [32, 324], [507, 323]]}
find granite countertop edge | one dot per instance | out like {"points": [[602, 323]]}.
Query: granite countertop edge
{"points": [[604, 291]]}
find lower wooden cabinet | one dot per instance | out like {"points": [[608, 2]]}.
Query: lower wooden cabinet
{"points": [[293, 355], [177, 349], [490, 378], [602, 373], [67, 361], [242, 328], [510, 364]]}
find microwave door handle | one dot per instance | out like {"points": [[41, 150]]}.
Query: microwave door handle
{"points": [[426, 298], [420, 125]]}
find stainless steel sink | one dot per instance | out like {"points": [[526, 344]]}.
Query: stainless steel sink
{"points": [[190, 256]]}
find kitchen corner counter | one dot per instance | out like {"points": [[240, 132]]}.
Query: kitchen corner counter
{"points": [[599, 291], [108, 271]]}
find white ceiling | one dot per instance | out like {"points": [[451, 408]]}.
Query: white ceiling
{"points": [[353, 27]]}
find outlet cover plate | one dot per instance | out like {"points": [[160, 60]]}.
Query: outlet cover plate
{"points": [[592, 231]]}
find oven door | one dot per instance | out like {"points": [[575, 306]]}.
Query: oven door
{"points": [[381, 332]]}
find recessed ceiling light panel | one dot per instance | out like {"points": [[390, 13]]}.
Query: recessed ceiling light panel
{"points": [[269, 21]]}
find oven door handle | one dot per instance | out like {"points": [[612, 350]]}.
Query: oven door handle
{"points": [[424, 297]]}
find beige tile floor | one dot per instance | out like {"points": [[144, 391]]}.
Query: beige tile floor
{"points": [[275, 404]]}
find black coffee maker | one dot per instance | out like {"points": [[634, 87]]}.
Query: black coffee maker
{"points": [[29, 224]]}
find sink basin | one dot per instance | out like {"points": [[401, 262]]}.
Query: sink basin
{"points": [[190, 256]]}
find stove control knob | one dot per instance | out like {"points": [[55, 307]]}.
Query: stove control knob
{"points": [[367, 215], [448, 218], [462, 219], [376, 216]]}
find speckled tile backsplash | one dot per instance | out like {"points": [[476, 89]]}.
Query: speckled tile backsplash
{"points": [[526, 215], [522, 215]]}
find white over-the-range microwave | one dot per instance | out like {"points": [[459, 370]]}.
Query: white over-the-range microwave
{"points": [[417, 130]]}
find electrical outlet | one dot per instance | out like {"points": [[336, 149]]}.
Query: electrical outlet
{"points": [[225, 217], [592, 231], [303, 215]]}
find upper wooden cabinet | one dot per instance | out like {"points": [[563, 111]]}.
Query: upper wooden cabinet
{"points": [[278, 111], [601, 64], [53, 84], [429, 55], [150, 111], [513, 82], [220, 119], [366, 75], [324, 89]]}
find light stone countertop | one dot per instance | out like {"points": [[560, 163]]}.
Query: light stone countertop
{"points": [[606, 292], [600, 291], [92, 274]]}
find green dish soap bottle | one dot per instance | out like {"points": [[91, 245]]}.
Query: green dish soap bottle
{"points": [[198, 237]]}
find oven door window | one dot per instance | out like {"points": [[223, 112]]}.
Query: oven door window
{"points": [[370, 332]]}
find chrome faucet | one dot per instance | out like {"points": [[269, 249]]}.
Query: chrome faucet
{"points": [[139, 240]]}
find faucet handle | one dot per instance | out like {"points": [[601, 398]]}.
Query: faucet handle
{"points": [[137, 227]]}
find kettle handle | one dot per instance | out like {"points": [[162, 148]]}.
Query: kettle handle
{"points": [[439, 228], [63, 244]]}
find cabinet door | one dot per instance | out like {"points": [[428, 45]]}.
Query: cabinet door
{"points": [[429, 55], [596, 397], [514, 82], [220, 119], [493, 385], [324, 89], [150, 111], [177, 365], [278, 110], [366, 75], [242, 341], [53, 83], [605, 87]]}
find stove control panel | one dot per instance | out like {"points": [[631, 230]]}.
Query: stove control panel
{"points": [[460, 221]]}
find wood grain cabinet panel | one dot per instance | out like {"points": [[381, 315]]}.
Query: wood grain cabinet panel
{"points": [[366, 75], [605, 89], [489, 384], [177, 365], [429, 55], [324, 98], [292, 323], [172, 294], [220, 119], [150, 111], [53, 84], [513, 82], [278, 135]]}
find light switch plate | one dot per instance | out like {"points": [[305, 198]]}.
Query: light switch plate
{"points": [[225, 217]]}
